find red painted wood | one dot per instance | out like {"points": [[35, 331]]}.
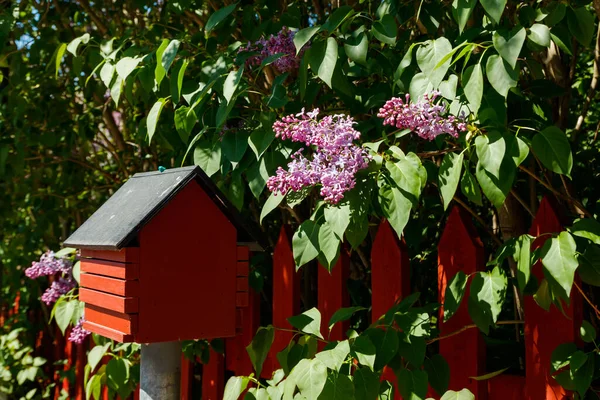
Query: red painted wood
{"points": [[126, 323], [126, 255], [187, 271], [390, 280], [460, 249], [390, 270], [107, 332], [115, 286], [68, 355], [333, 295], [236, 356], [546, 330], [243, 253], [80, 362], [242, 269], [506, 387], [112, 302], [110, 268], [187, 370], [213, 377], [286, 293], [241, 284]]}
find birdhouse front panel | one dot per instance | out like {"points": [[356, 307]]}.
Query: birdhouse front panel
{"points": [[188, 271]]}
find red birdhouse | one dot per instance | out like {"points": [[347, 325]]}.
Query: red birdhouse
{"points": [[164, 259]]}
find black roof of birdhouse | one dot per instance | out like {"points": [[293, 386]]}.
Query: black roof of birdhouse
{"points": [[116, 223]]}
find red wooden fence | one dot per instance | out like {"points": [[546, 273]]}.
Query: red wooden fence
{"points": [[459, 249]]}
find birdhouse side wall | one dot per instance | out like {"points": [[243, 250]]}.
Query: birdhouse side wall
{"points": [[187, 275]]}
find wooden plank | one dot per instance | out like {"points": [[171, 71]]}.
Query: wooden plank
{"points": [[110, 268], [241, 299], [243, 268], [116, 303], [286, 292], [242, 284], [390, 270], [506, 387], [126, 255], [187, 375], [460, 249], [236, 356], [125, 323], [213, 377], [544, 330], [119, 287], [390, 280], [107, 332], [333, 295], [243, 253]]}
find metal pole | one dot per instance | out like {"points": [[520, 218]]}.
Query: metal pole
{"points": [[160, 374]]}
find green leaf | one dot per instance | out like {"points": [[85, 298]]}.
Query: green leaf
{"points": [[561, 355], [385, 30], [577, 360], [60, 52], [540, 35], [323, 58], [343, 314], [448, 87], [260, 140], [552, 147], [404, 63], [473, 86], [234, 145], [235, 386], [542, 296], [305, 243], [464, 394], [338, 218], [257, 176], [454, 294], [488, 291], [117, 374], [93, 388], [412, 384], [159, 70], [356, 48], [72, 47], [438, 372], [126, 65], [338, 387], [153, 117], [272, 202], [308, 322], [386, 344], [562, 37], [334, 358], [310, 376], [509, 43], [337, 17], [406, 177], [177, 80], [77, 271], [559, 259], [494, 8], [470, 188], [185, 120], [395, 206], [587, 332], [462, 10], [587, 228], [329, 246], [366, 384], [106, 74], [207, 155], [364, 351], [500, 74], [429, 57], [259, 348], [581, 24], [449, 176], [217, 17], [413, 351], [63, 313], [95, 355], [488, 376], [231, 83], [523, 258], [589, 267], [490, 150], [419, 85], [303, 36]]}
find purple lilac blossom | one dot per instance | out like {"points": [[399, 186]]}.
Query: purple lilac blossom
{"points": [[78, 333], [283, 42], [335, 161], [48, 265], [424, 117], [58, 288]]}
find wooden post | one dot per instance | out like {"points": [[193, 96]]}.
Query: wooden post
{"points": [[460, 249], [333, 295], [187, 369], [546, 330], [286, 294], [213, 377], [390, 280]]}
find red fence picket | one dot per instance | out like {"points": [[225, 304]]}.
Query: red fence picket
{"points": [[546, 330], [461, 250], [333, 295]]}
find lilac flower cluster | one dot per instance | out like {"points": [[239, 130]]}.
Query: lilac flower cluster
{"points": [[50, 265], [283, 42], [335, 161], [78, 333], [424, 117]]}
